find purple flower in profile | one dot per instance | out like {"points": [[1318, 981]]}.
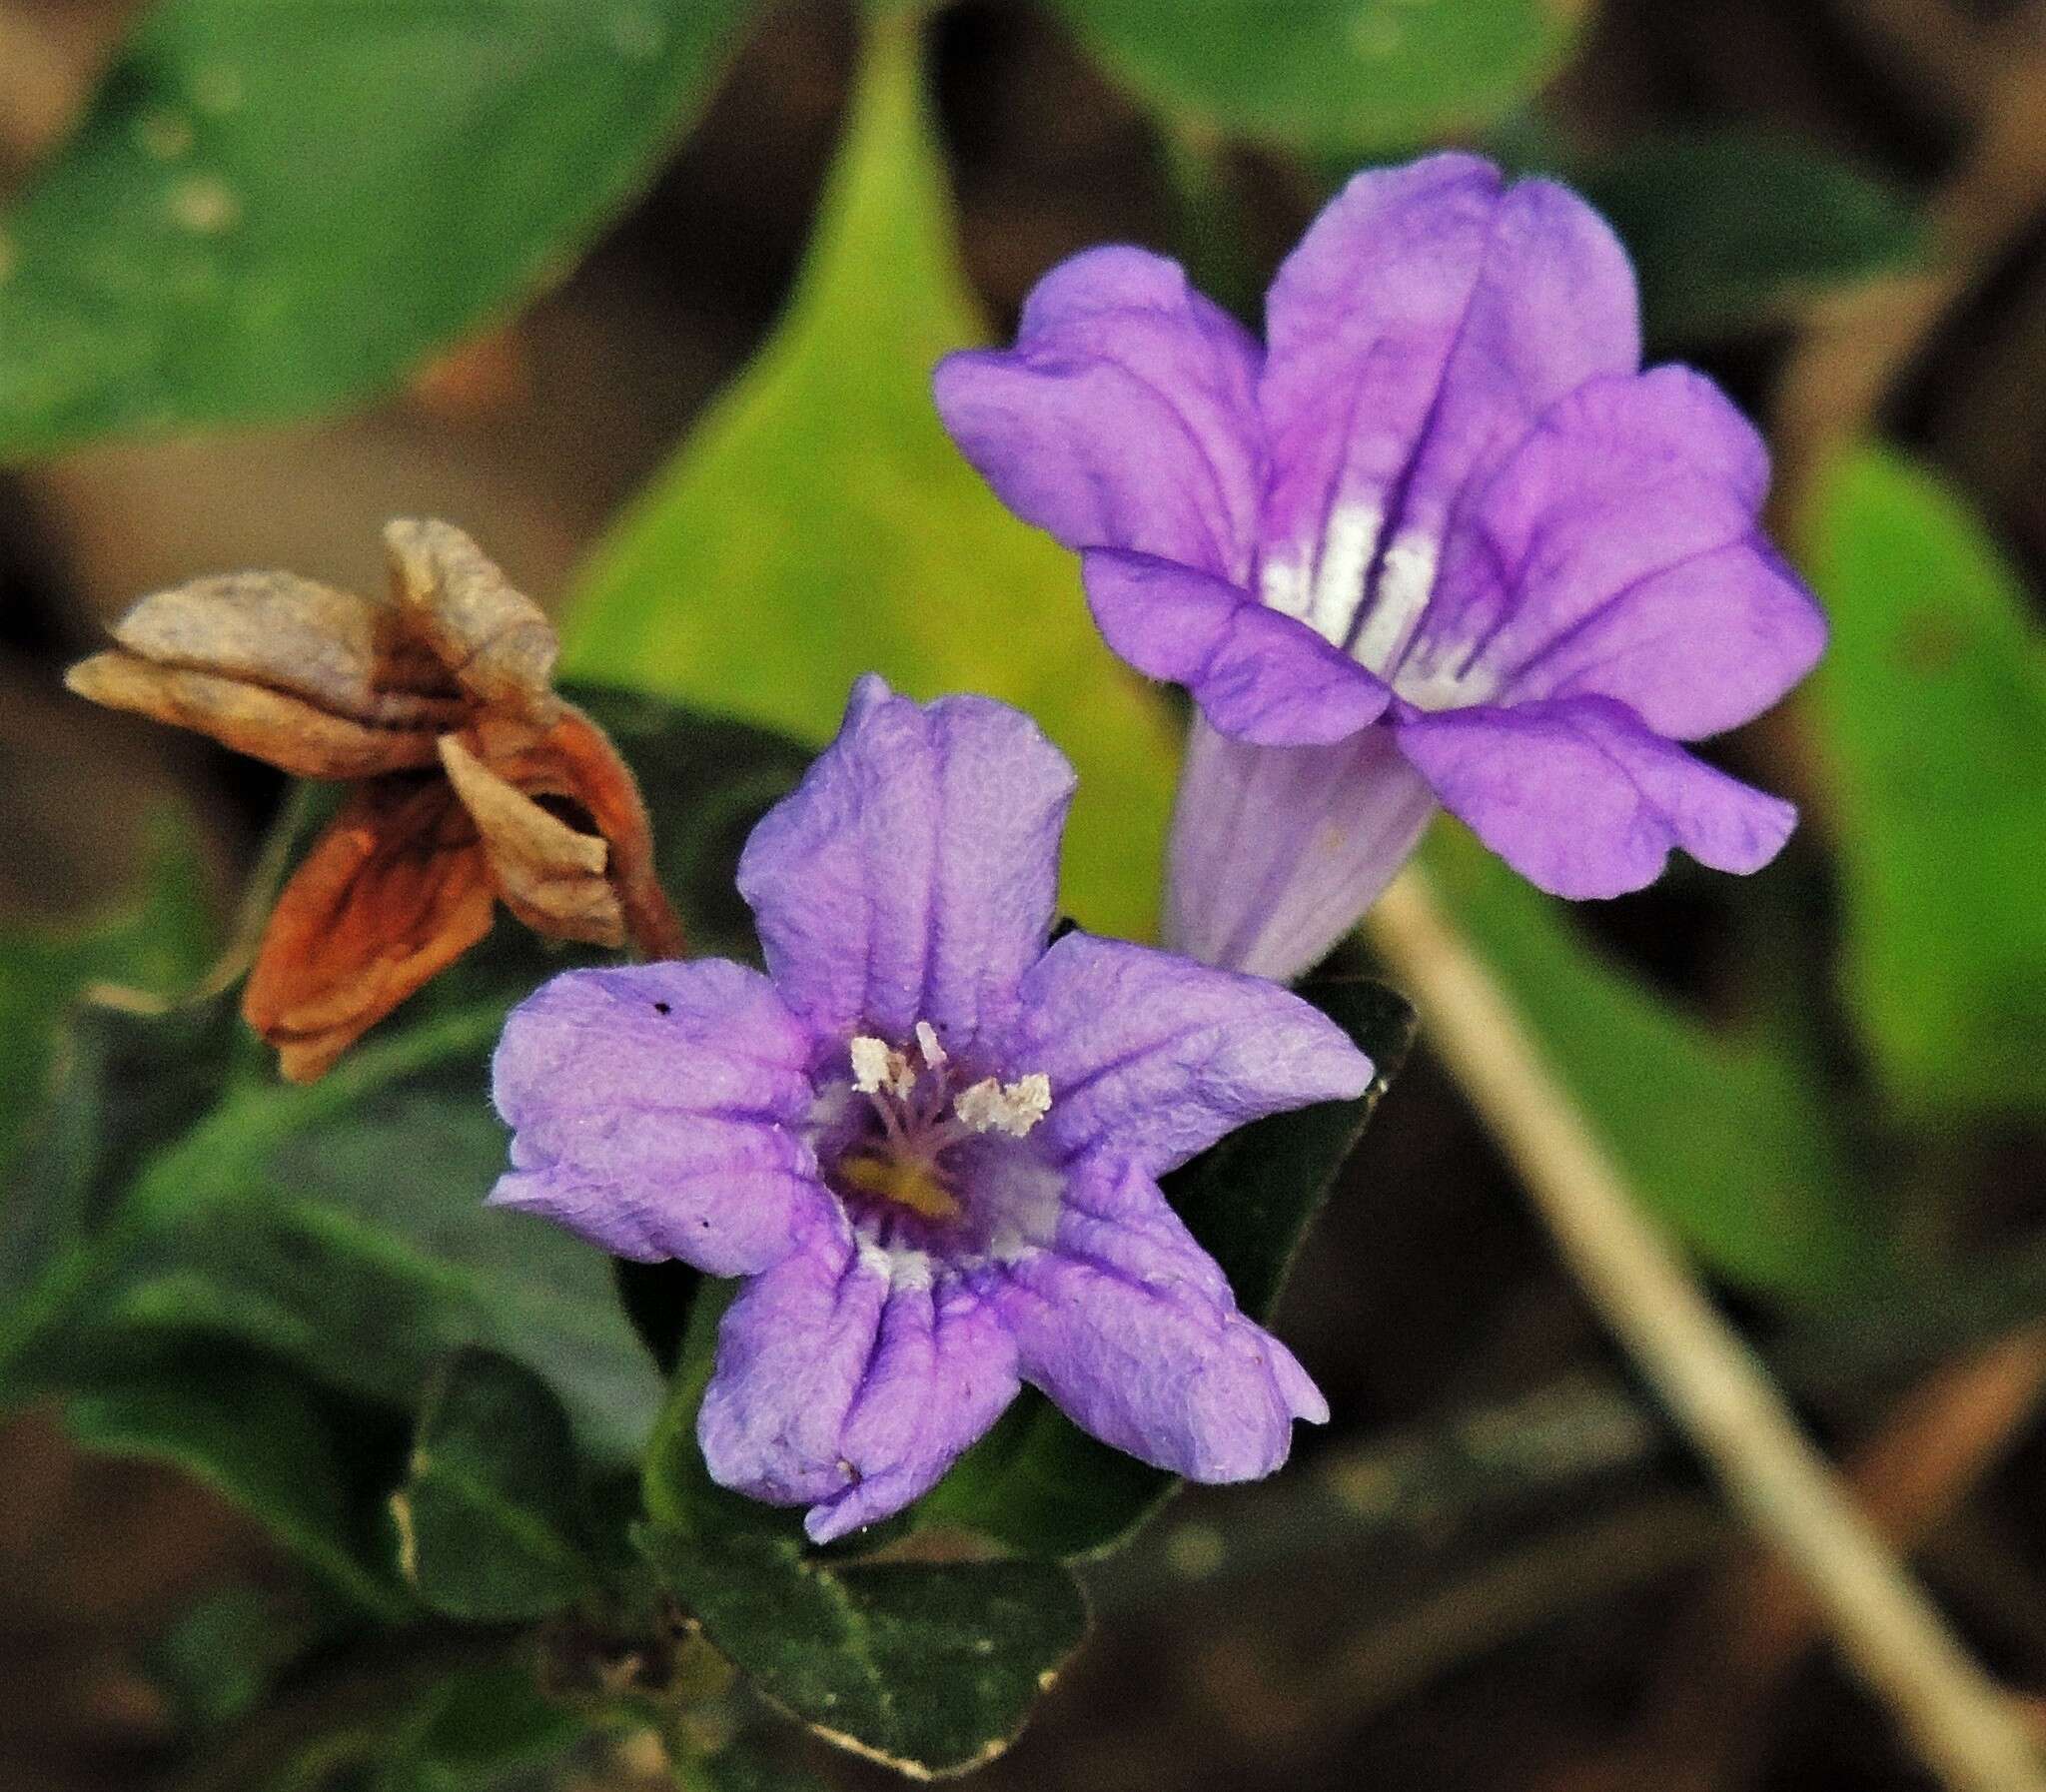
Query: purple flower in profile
{"points": [[1440, 541], [932, 1139]]}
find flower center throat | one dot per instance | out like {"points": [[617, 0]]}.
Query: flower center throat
{"points": [[923, 1113]]}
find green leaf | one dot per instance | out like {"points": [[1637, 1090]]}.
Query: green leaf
{"points": [[928, 1668], [224, 1654], [152, 944], [1931, 706], [820, 524], [1731, 227], [1330, 75], [271, 209], [491, 1513], [126, 1083], [1041, 1485], [256, 1432], [1726, 1137], [343, 1227]]}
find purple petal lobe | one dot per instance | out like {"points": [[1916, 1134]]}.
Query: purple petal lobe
{"points": [[1619, 553], [912, 875], [1154, 1058], [844, 1387], [1278, 852], [1128, 1326], [1124, 416], [1425, 320], [1258, 676], [1581, 797], [653, 1111]]}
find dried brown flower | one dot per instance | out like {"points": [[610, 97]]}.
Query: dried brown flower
{"points": [[475, 782]]}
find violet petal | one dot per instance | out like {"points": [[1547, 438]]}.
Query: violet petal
{"points": [[1581, 797], [653, 1111], [914, 872], [1124, 416]]}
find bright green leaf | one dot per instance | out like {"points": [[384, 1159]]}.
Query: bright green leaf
{"points": [[928, 1668], [271, 209], [1040, 1484], [820, 524], [1330, 75], [1726, 1138], [1931, 701], [1728, 228], [490, 1514]]}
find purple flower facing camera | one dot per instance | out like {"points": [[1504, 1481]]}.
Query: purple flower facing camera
{"points": [[1439, 541], [929, 1138]]}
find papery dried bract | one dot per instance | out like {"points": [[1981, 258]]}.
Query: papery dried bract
{"points": [[495, 641], [393, 891], [547, 873], [450, 676]]}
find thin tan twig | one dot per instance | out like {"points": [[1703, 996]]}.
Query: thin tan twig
{"points": [[1960, 1722]]}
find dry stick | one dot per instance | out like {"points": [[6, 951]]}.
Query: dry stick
{"points": [[1962, 1724], [1727, 1652]]}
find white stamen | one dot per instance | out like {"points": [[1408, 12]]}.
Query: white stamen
{"points": [[934, 1053], [1014, 1108], [877, 1066]]}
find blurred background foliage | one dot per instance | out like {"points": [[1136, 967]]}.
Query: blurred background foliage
{"points": [[644, 294]]}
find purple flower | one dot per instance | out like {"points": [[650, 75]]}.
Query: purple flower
{"points": [[1440, 541], [930, 1139]]}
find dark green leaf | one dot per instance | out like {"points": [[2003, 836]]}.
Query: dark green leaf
{"points": [[1726, 1137], [341, 1227], [271, 209], [929, 1668], [256, 1432], [1729, 227], [153, 944], [126, 1082], [223, 1654], [745, 1767], [820, 524], [492, 1514], [1932, 705], [1040, 1484], [1332, 75]]}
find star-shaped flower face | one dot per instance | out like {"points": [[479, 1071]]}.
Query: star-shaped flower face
{"points": [[438, 704], [930, 1138], [1437, 541]]}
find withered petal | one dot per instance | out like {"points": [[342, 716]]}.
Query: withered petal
{"points": [[601, 782], [495, 641], [288, 731], [550, 875], [340, 653], [394, 892]]}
